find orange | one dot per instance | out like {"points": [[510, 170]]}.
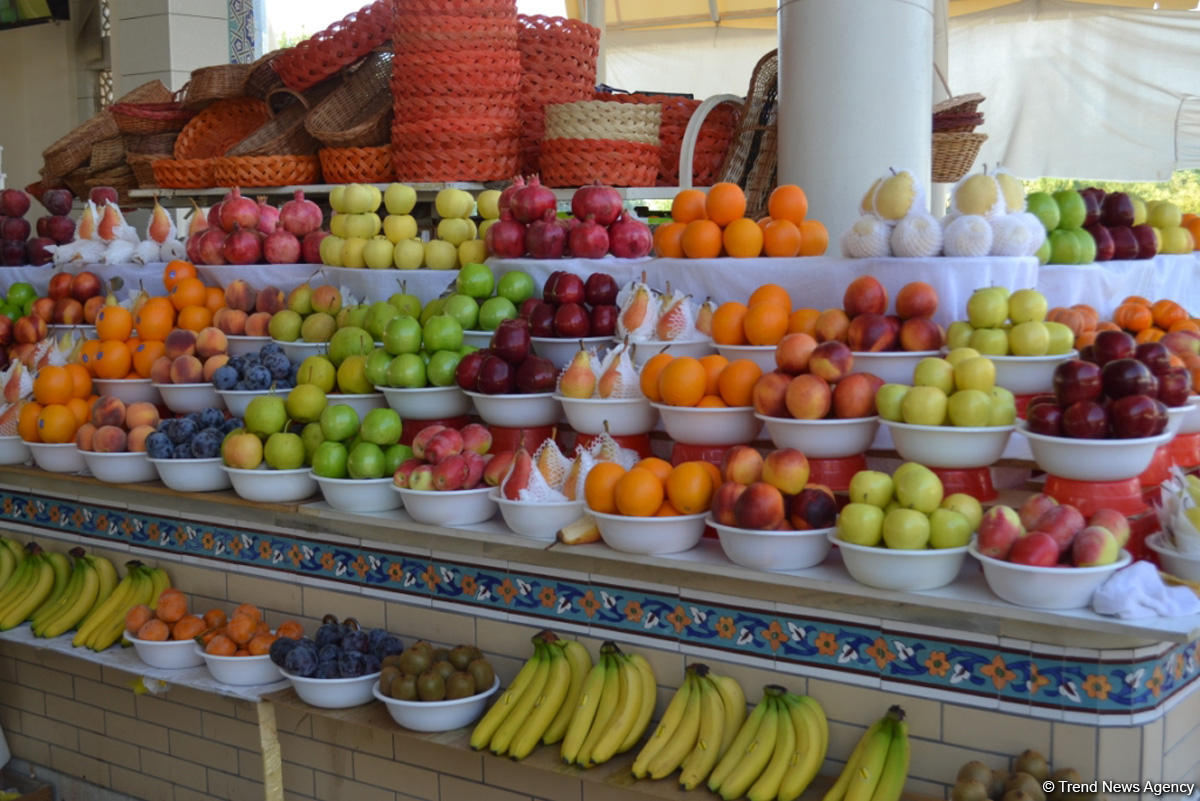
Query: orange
{"points": [[804, 321], [1193, 226], [713, 363], [668, 240], [87, 354], [1136, 299], [649, 377], [659, 467], [766, 323], [144, 356], [214, 298], [727, 324], [814, 238], [27, 421], [711, 402], [133, 343], [788, 202], [736, 383], [714, 473], [1133, 316], [155, 320], [81, 381], [701, 239], [688, 205], [53, 385], [690, 488], [724, 203], [771, 293], [600, 487], [79, 408], [682, 382], [639, 493], [1151, 334], [781, 239], [175, 271], [188, 292], [1167, 313], [114, 322], [667, 510], [743, 239], [56, 423], [194, 318], [113, 360], [763, 222]]}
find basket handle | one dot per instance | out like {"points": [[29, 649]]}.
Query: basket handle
{"points": [[687, 147], [942, 79], [283, 90]]}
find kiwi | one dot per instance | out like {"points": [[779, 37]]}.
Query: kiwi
{"points": [[1033, 763], [415, 661], [475, 652], [1027, 784], [387, 675], [969, 790], [460, 657], [422, 645], [460, 685], [391, 660], [405, 688], [444, 669], [441, 655], [481, 671], [351, 623], [431, 686], [996, 784], [975, 772]]}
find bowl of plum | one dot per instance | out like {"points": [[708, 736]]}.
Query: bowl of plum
{"points": [[336, 667]]}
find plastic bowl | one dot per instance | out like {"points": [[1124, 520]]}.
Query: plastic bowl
{"points": [[359, 495], [561, 351], [762, 355], [274, 486], [896, 569], [14, 450], [477, 339], [167, 654], [650, 535], [120, 468], [894, 367], [1092, 459], [241, 670], [625, 416], [57, 457], [773, 550], [334, 693], [453, 508], [1046, 587], [516, 411], [1182, 565], [127, 390], [298, 351], [192, 475], [57, 330], [186, 398], [1178, 415], [436, 715], [1026, 375], [823, 439], [952, 447], [1191, 423], [427, 403], [242, 345], [690, 425], [645, 350], [360, 403], [236, 400], [539, 521]]}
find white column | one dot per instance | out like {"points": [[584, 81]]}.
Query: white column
{"points": [[594, 16], [855, 97], [167, 40]]}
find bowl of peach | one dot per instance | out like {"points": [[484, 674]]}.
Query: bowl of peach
{"points": [[238, 651], [165, 637]]}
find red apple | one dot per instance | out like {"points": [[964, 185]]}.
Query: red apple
{"points": [[865, 295], [1038, 549], [1062, 523]]}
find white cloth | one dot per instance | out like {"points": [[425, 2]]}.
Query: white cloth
{"points": [[1104, 284], [1138, 591]]}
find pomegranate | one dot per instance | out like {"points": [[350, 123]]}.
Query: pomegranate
{"points": [[589, 240], [546, 237], [300, 216], [211, 246], [506, 238], [192, 249], [214, 215], [268, 215], [629, 238], [60, 228], [310, 246], [38, 255], [237, 210], [281, 247], [505, 200], [532, 202], [597, 200], [243, 246]]}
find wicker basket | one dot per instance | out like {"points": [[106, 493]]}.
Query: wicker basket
{"points": [[575, 162], [106, 154], [496, 163], [597, 119], [452, 133], [74, 149], [953, 155], [338, 46], [558, 48], [284, 133], [150, 92], [209, 84], [76, 181], [363, 165], [262, 79], [272, 170], [752, 160], [220, 126], [358, 113], [150, 118], [183, 173], [154, 144], [437, 9], [143, 169]]}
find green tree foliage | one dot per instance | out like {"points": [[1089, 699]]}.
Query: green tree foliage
{"points": [[1183, 188]]}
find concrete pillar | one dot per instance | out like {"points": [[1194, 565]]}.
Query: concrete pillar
{"points": [[166, 39], [594, 15], [855, 93]]}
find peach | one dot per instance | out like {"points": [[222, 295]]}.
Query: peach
{"points": [[854, 395], [742, 465], [256, 324], [108, 439], [108, 411], [230, 321], [759, 507], [921, 333], [832, 325], [998, 530], [724, 501], [83, 436], [141, 413], [808, 397], [1061, 522], [831, 361], [870, 332], [865, 295], [187, 370], [240, 295], [1095, 545], [210, 341], [212, 363], [423, 437], [476, 438], [180, 342], [786, 470], [92, 307], [160, 371], [1038, 549], [270, 300], [916, 299], [812, 507], [792, 353], [136, 439], [770, 393], [400, 477], [1034, 507], [1114, 521]]}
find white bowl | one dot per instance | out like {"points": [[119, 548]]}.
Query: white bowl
{"points": [[477, 339], [1092, 459], [773, 550], [453, 508], [361, 403], [1178, 415], [127, 390], [242, 345], [120, 468], [276, 486], [334, 693], [951, 447], [561, 351], [57, 457], [427, 403], [893, 366], [236, 400], [823, 439], [1191, 423], [762, 355], [647, 349], [516, 411], [650, 535], [192, 475], [691, 425], [1181, 565], [359, 495], [298, 351], [186, 398], [436, 715], [625, 416], [1026, 375], [898, 569], [1046, 587], [539, 521], [167, 654], [241, 670], [14, 450], [57, 330]]}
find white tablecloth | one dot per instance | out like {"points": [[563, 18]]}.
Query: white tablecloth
{"points": [[1105, 284]]}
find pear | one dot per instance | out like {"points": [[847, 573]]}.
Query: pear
{"points": [[551, 464], [897, 195], [618, 376], [1013, 191], [675, 319], [980, 193], [579, 379], [638, 312]]}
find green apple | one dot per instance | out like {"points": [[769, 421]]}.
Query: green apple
{"points": [[488, 203], [1004, 407], [396, 455], [1043, 252], [453, 203], [361, 198], [331, 250], [975, 372], [398, 227], [860, 524], [442, 332], [366, 460], [356, 316], [1072, 210], [1042, 206], [464, 309], [517, 286], [959, 354], [473, 251], [406, 302], [1027, 304], [425, 356], [888, 400], [958, 334], [924, 406], [363, 226], [312, 437], [475, 280], [22, 292], [337, 225], [408, 254], [948, 528], [989, 341], [1029, 339], [1064, 247], [402, 335], [969, 407], [339, 422], [317, 370], [265, 415], [455, 230], [871, 486], [285, 325], [406, 371], [1061, 338], [305, 402], [381, 426], [1177, 239], [987, 308], [934, 372], [329, 460], [966, 505], [377, 253], [352, 376], [440, 255], [352, 252], [377, 366], [284, 451], [347, 342], [379, 314], [442, 366], [917, 487], [1087, 246], [399, 198], [906, 529], [318, 327], [494, 311], [432, 308]]}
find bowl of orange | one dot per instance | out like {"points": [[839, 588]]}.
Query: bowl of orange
{"points": [[57, 457], [14, 450], [700, 425]]}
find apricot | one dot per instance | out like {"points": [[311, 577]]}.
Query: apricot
{"points": [[215, 618], [290, 629], [260, 644], [154, 629], [172, 605], [241, 629], [187, 627], [242, 652], [250, 610], [220, 645], [136, 617]]}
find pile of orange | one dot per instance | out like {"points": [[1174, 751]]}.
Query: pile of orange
{"points": [[62, 402], [1150, 322], [764, 319], [708, 382], [1192, 223], [651, 488], [714, 224], [245, 633]]}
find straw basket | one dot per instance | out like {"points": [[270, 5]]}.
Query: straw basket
{"points": [[338, 46], [953, 155], [284, 134], [107, 153], [142, 165], [220, 126], [154, 144], [150, 118], [75, 149], [209, 84], [598, 119], [753, 155], [262, 79], [272, 170], [358, 113], [362, 165]]}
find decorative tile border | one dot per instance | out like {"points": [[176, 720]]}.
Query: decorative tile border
{"points": [[1011, 674], [242, 30]]}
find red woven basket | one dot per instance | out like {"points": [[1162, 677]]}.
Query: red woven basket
{"points": [[575, 162], [336, 47], [559, 48], [711, 145], [470, 164], [407, 9], [363, 165], [266, 170], [183, 173]]}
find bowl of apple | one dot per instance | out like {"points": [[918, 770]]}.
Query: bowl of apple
{"points": [[1032, 575], [1191, 421], [1025, 375], [1177, 417], [894, 366], [427, 403], [762, 355]]}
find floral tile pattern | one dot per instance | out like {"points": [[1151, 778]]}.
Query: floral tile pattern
{"points": [[1017, 674], [242, 31]]}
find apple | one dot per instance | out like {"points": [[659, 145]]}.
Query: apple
{"points": [[495, 376], [536, 374], [1076, 380], [511, 341], [1105, 247], [1147, 241], [571, 320], [987, 308], [1117, 209], [936, 372], [966, 505], [1114, 521], [989, 341], [1038, 550], [1030, 338], [860, 524], [917, 487], [976, 372], [1125, 244], [969, 408], [924, 406], [1004, 407], [1112, 345], [569, 288], [1034, 507], [1064, 247], [1061, 339], [1027, 305], [906, 529], [1155, 356], [1085, 420], [603, 320], [1062, 522], [948, 529], [999, 528], [541, 320], [871, 486], [1174, 387], [1163, 214], [1072, 208], [1134, 416], [1122, 377], [1093, 198], [958, 334], [600, 289], [889, 401], [865, 295]]}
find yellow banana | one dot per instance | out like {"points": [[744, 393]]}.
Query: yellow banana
{"points": [[482, 734], [82, 601], [107, 575], [610, 700], [15, 548], [895, 767], [766, 786], [737, 748], [524, 705], [160, 581], [54, 605], [545, 709], [581, 662], [585, 711], [8, 564], [666, 727], [734, 701], [837, 792], [811, 743], [870, 764], [137, 590], [112, 630], [124, 589], [758, 753], [683, 740], [17, 583], [20, 611], [649, 701], [624, 718], [61, 564], [704, 755]]}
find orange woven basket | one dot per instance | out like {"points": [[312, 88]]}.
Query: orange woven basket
{"points": [[471, 164], [220, 126], [715, 134], [575, 162], [500, 106], [183, 173], [361, 165], [558, 49], [266, 170], [336, 47], [502, 75], [406, 9]]}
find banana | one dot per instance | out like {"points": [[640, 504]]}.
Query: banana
{"points": [[54, 605], [838, 790], [16, 582], [8, 564], [108, 577], [615, 687], [15, 548], [648, 702], [734, 701], [758, 753], [114, 626], [482, 734], [870, 764], [766, 786], [124, 589], [812, 738], [24, 581], [62, 565], [666, 727], [895, 767], [703, 757], [581, 662], [548, 704], [585, 710], [682, 740], [737, 748], [524, 705], [161, 581], [629, 710], [17, 613], [81, 604]]}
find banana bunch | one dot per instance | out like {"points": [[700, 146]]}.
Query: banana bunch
{"points": [[537, 706], [91, 581], [614, 709], [878, 766], [38, 577], [11, 557], [776, 752], [103, 625]]}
